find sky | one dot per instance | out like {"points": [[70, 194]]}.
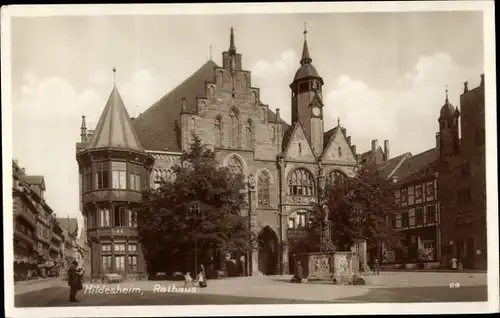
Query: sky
{"points": [[385, 74]]}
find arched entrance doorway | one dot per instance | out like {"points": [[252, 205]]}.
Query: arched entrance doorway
{"points": [[268, 252], [296, 254]]}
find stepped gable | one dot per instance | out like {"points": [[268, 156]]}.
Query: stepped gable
{"points": [[114, 129]]}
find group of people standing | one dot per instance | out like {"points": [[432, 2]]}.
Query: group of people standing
{"points": [[201, 278]]}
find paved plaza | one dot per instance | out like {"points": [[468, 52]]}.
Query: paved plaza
{"points": [[387, 287]]}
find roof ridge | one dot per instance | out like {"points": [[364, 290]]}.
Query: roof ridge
{"points": [[171, 92]]}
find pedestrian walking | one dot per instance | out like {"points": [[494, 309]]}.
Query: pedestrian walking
{"points": [[202, 280], [376, 267], [74, 281]]}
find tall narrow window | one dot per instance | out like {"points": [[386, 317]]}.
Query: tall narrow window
{"points": [[119, 216], [298, 219], [119, 173], [235, 130], [300, 148], [134, 182], [340, 152], [132, 257], [104, 217], [263, 188], [101, 175], [218, 131], [120, 263], [249, 134], [132, 218], [106, 258], [272, 133]]}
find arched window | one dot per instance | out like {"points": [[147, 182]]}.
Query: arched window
{"points": [[335, 176], [157, 178], [169, 176], [235, 130], [300, 149], [273, 134], [249, 134], [218, 131], [301, 182], [298, 219], [235, 166], [340, 152], [263, 188]]}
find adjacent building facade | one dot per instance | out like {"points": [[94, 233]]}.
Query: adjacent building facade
{"points": [[462, 179], [284, 164], [442, 191], [36, 251]]}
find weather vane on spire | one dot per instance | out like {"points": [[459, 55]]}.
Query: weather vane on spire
{"points": [[305, 30], [338, 121], [446, 92], [114, 76]]}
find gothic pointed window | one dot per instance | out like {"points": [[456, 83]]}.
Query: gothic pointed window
{"points": [[273, 134], [301, 183], [263, 188], [235, 129], [249, 134], [300, 148], [336, 176], [235, 166], [218, 131]]}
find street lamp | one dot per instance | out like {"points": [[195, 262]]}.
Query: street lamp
{"points": [[251, 188], [194, 208]]}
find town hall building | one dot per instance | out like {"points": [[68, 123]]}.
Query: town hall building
{"points": [[284, 164]]}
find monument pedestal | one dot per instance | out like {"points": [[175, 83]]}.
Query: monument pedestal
{"points": [[339, 267]]}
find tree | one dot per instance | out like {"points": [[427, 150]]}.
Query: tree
{"points": [[360, 208], [195, 214]]}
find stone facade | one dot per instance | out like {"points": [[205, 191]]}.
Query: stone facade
{"points": [[462, 181], [287, 163]]}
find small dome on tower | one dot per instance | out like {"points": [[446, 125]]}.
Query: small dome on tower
{"points": [[447, 111]]}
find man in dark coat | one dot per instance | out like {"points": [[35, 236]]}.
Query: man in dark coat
{"points": [[74, 281]]}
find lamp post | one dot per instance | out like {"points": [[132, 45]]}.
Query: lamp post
{"points": [[251, 188], [194, 208]]}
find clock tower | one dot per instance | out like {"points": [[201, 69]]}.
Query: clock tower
{"points": [[307, 105]]}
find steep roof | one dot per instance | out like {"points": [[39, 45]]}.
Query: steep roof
{"points": [[389, 167], [115, 129], [158, 126], [68, 224], [416, 163]]}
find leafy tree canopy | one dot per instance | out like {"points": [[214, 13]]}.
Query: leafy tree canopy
{"points": [[199, 206], [360, 208]]}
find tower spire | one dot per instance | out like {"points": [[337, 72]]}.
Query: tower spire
{"points": [[232, 47], [210, 51], [306, 57], [114, 76], [447, 101]]}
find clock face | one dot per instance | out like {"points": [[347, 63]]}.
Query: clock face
{"points": [[316, 111]]}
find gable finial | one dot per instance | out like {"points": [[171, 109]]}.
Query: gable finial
{"points": [[305, 31], [114, 76], [210, 51], [338, 121], [446, 93]]}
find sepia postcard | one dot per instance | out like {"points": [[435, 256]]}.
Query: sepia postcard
{"points": [[250, 159]]}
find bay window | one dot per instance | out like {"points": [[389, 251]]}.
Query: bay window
{"points": [[119, 175]]}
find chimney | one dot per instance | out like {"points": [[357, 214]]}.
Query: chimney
{"points": [[353, 149], [466, 87], [374, 145], [23, 170], [437, 141], [348, 140], [482, 79], [278, 117], [386, 150], [183, 105], [344, 131]]}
